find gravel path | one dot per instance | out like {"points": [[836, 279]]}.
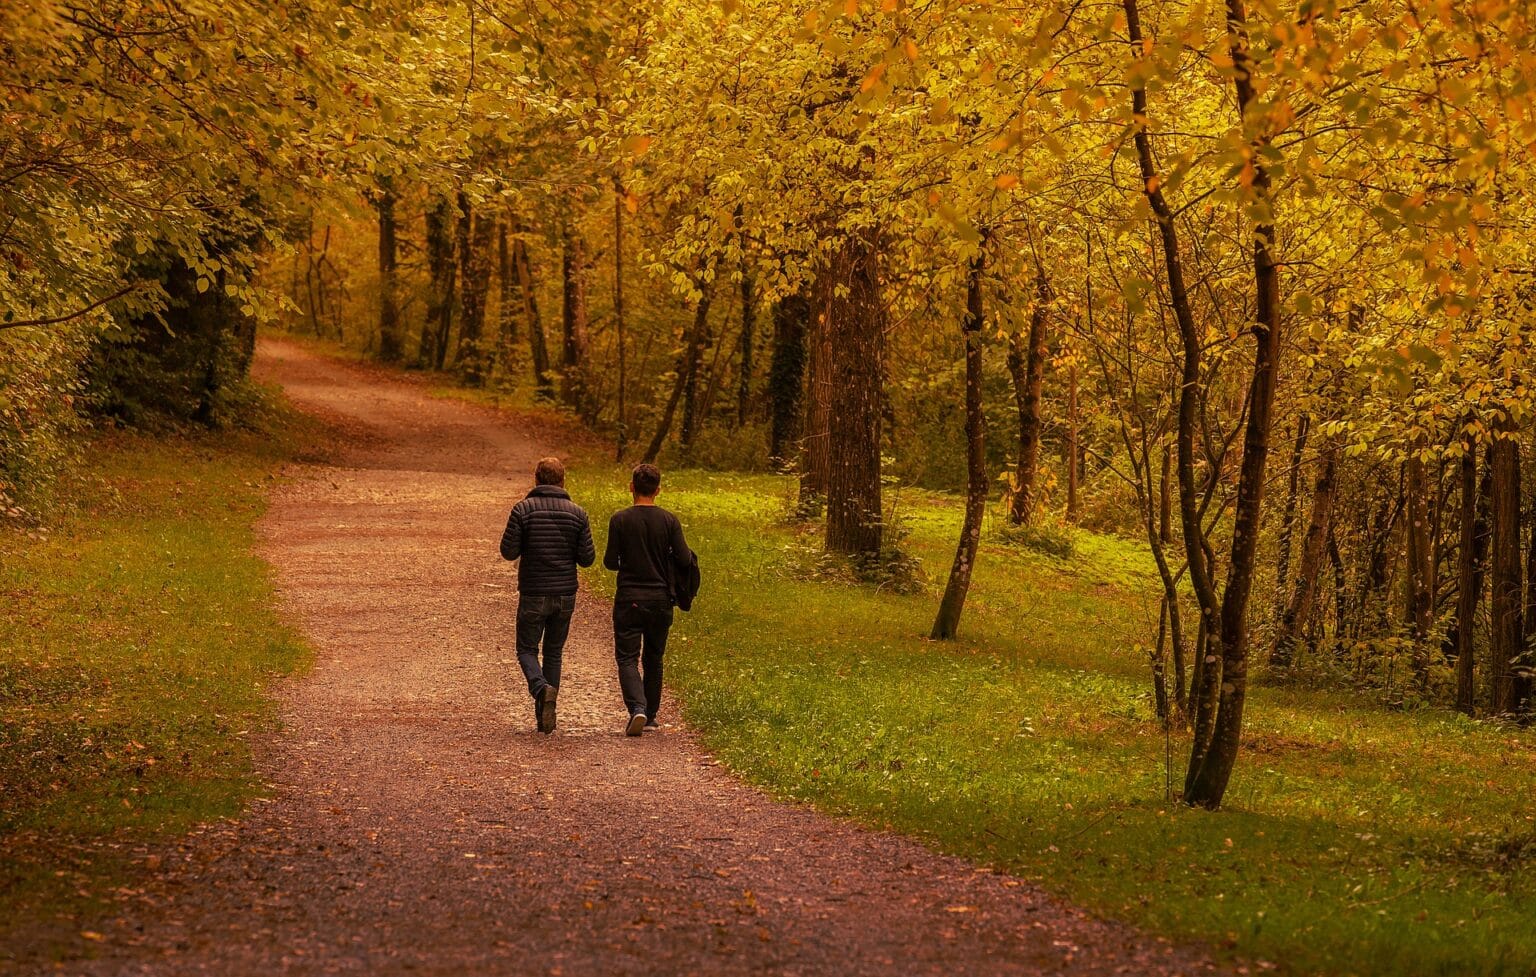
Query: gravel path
{"points": [[416, 825]]}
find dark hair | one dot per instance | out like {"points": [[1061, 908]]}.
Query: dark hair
{"points": [[549, 472], [645, 480]]}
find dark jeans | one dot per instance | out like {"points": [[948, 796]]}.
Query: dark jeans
{"points": [[549, 619], [639, 641]]}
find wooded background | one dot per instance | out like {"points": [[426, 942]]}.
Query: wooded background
{"points": [[1252, 280]]}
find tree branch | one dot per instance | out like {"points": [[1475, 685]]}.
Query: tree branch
{"points": [[56, 320]]}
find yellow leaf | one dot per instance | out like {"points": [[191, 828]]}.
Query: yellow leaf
{"points": [[637, 145], [873, 78], [909, 49], [1007, 180], [631, 202], [851, 7]]}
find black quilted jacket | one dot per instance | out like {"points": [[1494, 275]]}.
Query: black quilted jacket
{"points": [[551, 535]]}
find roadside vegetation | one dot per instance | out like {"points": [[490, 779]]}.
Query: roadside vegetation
{"points": [[138, 642], [1364, 839]]}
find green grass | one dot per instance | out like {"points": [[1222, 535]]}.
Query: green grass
{"points": [[1355, 840], [138, 639]]}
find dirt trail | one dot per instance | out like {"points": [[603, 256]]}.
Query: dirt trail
{"points": [[416, 825]]}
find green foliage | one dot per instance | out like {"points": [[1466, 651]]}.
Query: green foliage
{"points": [[39, 386], [187, 362], [137, 640]]}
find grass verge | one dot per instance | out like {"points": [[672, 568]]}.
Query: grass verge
{"points": [[138, 639], [1356, 840]]}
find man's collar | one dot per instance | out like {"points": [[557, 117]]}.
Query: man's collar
{"points": [[558, 491]]}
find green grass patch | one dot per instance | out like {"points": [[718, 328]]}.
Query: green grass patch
{"points": [[1355, 840], [138, 638]]}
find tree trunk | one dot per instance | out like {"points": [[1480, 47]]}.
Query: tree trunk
{"points": [[537, 349], [1313, 551], [1470, 559], [441, 270], [1210, 769], [1288, 518], [573, 320], [947, 624], [693, 361], [1074, 449], [618, 317], [664, 427], [506, 302], [856, 338], [1507, 637], [748, 328], [475, 272], [786, 375], [1165, 498], [1206, 682], [1027, 366], [815, 452], [1159, 657], [391, 342], [1419, 586]]}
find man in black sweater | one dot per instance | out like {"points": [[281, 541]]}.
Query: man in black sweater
{"points": [[550, 534], [646, 547]]}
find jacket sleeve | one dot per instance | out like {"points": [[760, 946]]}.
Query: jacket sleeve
{"points": [[512, 536], [611, 551], [586, 553]]}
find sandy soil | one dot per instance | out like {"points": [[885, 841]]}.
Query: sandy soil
{"points": [[417, 825]]}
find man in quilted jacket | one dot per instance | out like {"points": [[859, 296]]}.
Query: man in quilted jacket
{"points": [[551, 537]]}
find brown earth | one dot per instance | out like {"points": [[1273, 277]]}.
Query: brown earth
{"points": [[415, 824]]}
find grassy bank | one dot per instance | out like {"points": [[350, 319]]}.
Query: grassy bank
{"points": [[137, 642], [1355, 840]]}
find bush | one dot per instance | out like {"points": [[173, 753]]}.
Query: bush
{"points": [[39, 384], [1046, 533]]}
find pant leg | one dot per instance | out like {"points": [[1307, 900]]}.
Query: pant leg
{"points": [[658, 625], [628, 636], [557, 625], [530, 628]]}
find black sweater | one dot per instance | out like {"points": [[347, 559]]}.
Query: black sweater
{"points": [[551, 535], [646, 547]]}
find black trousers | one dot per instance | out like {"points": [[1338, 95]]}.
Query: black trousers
{"points": [[545, 620], [639, 642]]}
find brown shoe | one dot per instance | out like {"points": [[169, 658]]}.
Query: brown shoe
{"points": [[636, 725], [547, 696]]}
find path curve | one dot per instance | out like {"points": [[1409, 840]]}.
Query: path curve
{"points": [[415, 825]]}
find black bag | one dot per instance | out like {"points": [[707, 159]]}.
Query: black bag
{"points": [[688, 582]]}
